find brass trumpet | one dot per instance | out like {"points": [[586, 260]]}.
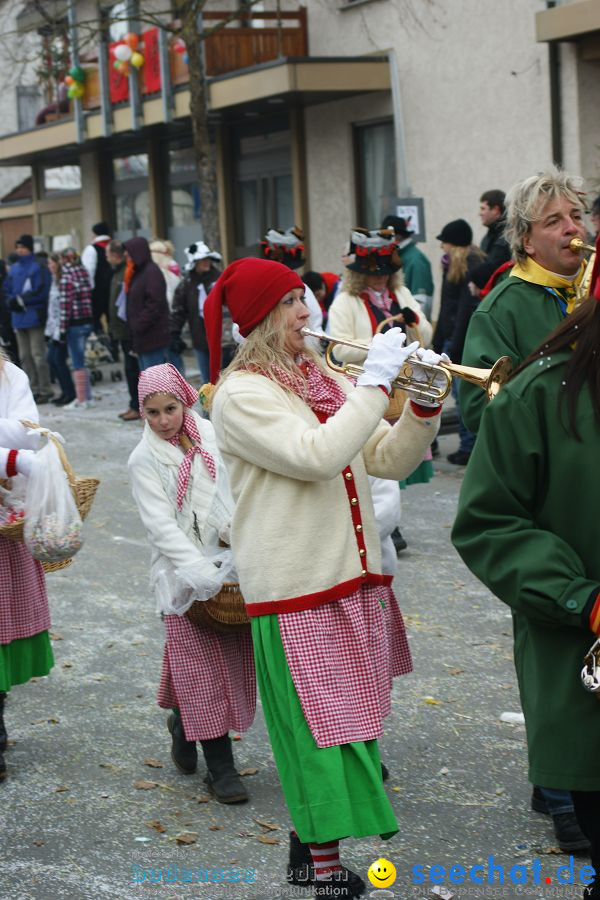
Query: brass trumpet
{"points": [[583, 289], [489, 380]]}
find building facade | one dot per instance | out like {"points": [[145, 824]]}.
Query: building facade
{"points": [[324, 114]]}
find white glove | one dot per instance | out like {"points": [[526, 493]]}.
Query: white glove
{"points": [[25, 461], [423, 375], [387, 354]]}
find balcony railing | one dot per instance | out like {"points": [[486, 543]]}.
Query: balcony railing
{"points": [[236, 46]]}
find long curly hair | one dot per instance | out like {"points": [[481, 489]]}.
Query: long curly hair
{"points": [[263, 352], [356, 282], [459, 261]]}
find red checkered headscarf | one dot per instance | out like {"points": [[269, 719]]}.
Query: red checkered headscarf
{"points": [[165, 379]]}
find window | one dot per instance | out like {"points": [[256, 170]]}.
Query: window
{"points": [[376, 172], [131, 196], [61, 180]]}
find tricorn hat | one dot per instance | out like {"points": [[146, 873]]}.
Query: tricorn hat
{"points": [[375, 252], [286, 247]]}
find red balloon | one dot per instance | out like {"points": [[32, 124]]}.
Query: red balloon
{"points": [[132, 40]]}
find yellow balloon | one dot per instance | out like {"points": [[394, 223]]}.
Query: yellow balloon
{"points": [[137, 60]]}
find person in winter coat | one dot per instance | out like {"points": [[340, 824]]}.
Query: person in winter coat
{"points": [[75, 293], [25, 648], [57, 341], [495, 246], [416, 268], [299, 443], [189, 299], [27, 286], [119, 329], [94, 260], [527, 528], [180, 485], [147, 307], [456, 308]]}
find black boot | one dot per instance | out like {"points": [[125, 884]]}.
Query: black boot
{"points": [[3, 735], [301, 872], [2, 767], [183, 753], [222, 778], [385, 772]]}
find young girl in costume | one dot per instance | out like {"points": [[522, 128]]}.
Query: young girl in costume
{"points": [[25, 649], [181, 489]]}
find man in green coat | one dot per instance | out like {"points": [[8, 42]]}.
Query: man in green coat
{"points": [[416, 268], [527, 527], [544, 213]]}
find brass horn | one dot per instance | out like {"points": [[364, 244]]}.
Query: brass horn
{"points": [[489, 380], [582, 290]]}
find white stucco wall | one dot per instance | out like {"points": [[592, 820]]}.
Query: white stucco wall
{"points": [[475, 94]]}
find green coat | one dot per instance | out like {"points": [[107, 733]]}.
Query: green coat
{"points": [[416, 270], [511, 321], [527, 527]]}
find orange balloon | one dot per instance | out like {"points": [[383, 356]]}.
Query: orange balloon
{"points": [[69, 80], [132, 40]]}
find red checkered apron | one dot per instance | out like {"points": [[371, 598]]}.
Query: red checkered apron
{"points": [[342, 657], [23, 601], [209, 677]]}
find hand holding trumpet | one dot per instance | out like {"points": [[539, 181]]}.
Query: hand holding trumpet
{"points": [[387, 354]]}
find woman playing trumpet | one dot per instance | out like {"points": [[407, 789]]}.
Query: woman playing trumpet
{"points": [[527, 527], [299, 443]]}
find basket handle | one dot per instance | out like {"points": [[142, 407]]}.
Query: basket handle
{"points": [[71, 477]]}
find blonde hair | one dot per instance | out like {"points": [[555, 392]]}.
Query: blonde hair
{"points": [[459, 261], [263, 352], [356, 282], [526, 201]]}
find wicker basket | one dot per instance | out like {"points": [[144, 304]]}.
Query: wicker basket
{"points": [[84, 491], [223, 612]]}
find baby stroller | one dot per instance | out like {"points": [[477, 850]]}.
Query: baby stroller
{"points": [[98, 351]]}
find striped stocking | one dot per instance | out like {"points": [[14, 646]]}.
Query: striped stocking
{"points": [[326, 859], [80, 377]]}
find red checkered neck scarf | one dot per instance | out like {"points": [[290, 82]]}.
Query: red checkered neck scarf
{"points": [[165, 379], [322, 393]]}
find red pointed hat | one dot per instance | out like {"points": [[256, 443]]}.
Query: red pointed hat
{"points": [[250, 288]]}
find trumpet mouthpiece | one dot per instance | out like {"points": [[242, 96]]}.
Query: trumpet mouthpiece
{"points": [[577, 244]]}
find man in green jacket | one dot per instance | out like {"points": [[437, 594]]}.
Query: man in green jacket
{"points": [[544, 213], [416, 268], [527, 528]]}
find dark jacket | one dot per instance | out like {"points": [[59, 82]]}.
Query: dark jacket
{"points": [[497, 251], [186, 306], [119, 329], [31, 281], [147, 307], [456, 308]]}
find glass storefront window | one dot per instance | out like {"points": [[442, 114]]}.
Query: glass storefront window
{"points": [[376, 172], [61, 179], [185, 206], [133, 212], [127, 167]]}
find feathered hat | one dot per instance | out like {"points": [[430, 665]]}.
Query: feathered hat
{"points": [[286, 247], [375, 252]]}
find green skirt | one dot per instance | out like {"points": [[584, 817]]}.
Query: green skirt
{"points": [[331, 792], [24, 659], [422, 474]]}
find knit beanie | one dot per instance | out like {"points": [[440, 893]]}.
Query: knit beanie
{"points": [[458, 233], [25, 240], [250, 288]]}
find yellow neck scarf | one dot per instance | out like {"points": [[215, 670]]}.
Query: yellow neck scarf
{"points": [[533, 272]]}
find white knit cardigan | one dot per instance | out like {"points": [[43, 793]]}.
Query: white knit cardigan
{"points": [[16, 403], [187, 563], [348, 319], [295, 532]]}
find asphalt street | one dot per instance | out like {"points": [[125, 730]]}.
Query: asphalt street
{"points": [[93, 802]]}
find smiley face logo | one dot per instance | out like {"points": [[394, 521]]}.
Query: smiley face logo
{"points": [[381, 873]]}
